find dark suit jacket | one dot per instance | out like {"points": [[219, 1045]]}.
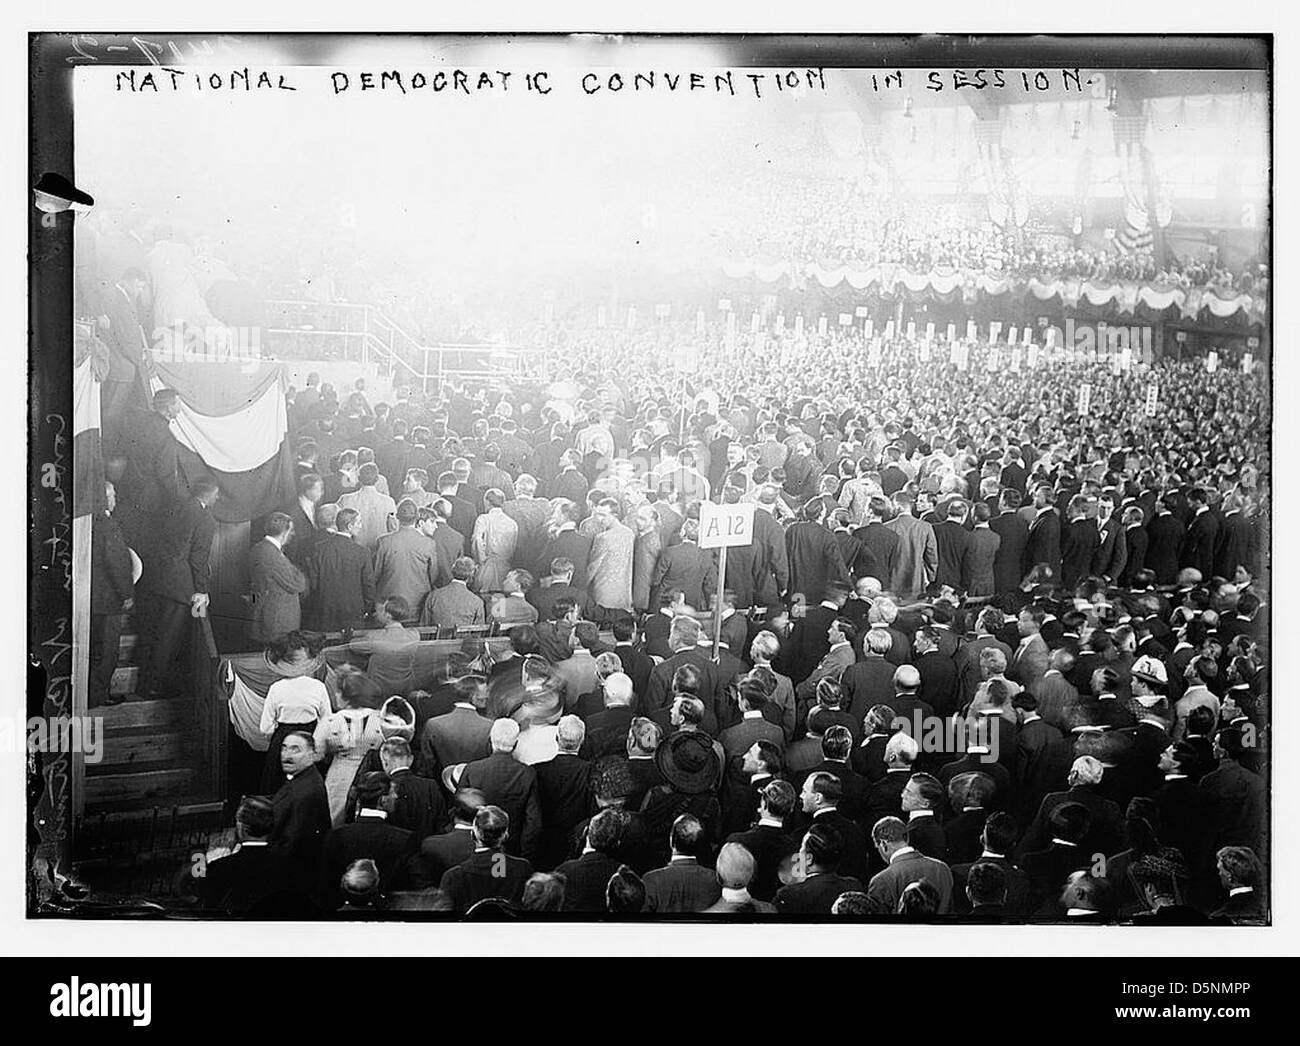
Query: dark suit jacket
{"points": [[953, 544], [484, 874], [980, 578], [867, 682], [887, 886], [572, 546], [252, 877], [659, 692], [460, 736], [1234, 545], [1164, 544], [1043, 543], [815, 559], [637, 666], [686, 567], [1135, 543], [1105, 832], [564, 792], [301, 817], [1017, 902], [110, 567], [153, 468], [737, 740], [857, 845], [1079, 544], [586, 878], [181, 564], [607, 732], [883, 544], [808, 643], [1009, 561], [440, 852], [340, 583], [1200, 543], [815, 895], [421, 808], [938, 682], [770, 846], [511, 785], [962, 836], [682, 885], [387, 845]]}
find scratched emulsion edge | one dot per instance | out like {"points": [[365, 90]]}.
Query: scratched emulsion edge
{"points": [[49, 776]]}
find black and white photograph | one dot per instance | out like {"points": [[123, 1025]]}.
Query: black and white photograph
{"points": [[701, 480]]}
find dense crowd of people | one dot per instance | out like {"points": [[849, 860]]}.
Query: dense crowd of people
{"points": [[986, 658]]}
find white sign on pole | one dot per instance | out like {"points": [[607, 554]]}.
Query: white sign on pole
{"points": [[1032, 356], [1015, 361], [995, 328], [994, 358], [1011, 335], [726, 525], [1027, 336], [1153, 397], [821, 326], [929, 332], [798, 325], [780, 321], [889, 331], [754, 321], [1051, 338], [1126, 359], [972, 332], [952, 332], [862, 312], [731, 323], [954, 350], [1212, 361], [1247, 363], [911, 330], [868, 328], [846, 319], [925, 352], [1084, 399]]}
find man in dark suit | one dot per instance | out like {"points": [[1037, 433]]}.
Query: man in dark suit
{"points": [[1112, 549], [302, 514], [938, 673], [587, 876], [564, 792], [339, 572], [822, 795], [768, 839], [1079, 543], [370, 835], [489, 871], [981, 895], [509, 784], [418, 804], [571, 484], [152, 480], [686, 567], [1043, 540], [177, 574], [953, 543], [1232, 797], [300, 809], [998, 839], [1064, 851], [684, 639], [1240, 875], [1104, 830], [255, 877], [438, 853], [819, 858], [683, 885], [461, 735], [544, 597], [566, 543], [462, 515], [1233, 549], [1135, 545], [112, 594], [125, 385], [878, 538], [814, 556], [1013, 533], [1202, 538], [809, 637], [1164, 543]]}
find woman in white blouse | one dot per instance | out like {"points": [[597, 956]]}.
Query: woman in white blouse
{"points": [[346, 736], [294, 703]]}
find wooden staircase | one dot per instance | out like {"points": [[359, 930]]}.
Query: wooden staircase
{"points": [[153, 750]]}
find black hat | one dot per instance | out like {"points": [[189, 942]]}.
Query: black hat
{"points": [[688, 762], [55, 193]]}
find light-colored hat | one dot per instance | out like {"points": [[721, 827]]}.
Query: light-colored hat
{"points": [[1150, 670]]}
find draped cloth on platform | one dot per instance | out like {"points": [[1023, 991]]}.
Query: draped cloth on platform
{"points": [[233, 425]]}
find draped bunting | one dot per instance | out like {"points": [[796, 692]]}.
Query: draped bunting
{"points": [[233, 424], [890, 279]]}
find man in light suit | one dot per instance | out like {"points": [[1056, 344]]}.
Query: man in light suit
{"points": [[378, 512], [918, 554], [454, 604], [406, 561], [753, 726], [509, 784], [982, 556], [275, 582], [610, 567], [904, 866], [1029, 662]]}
